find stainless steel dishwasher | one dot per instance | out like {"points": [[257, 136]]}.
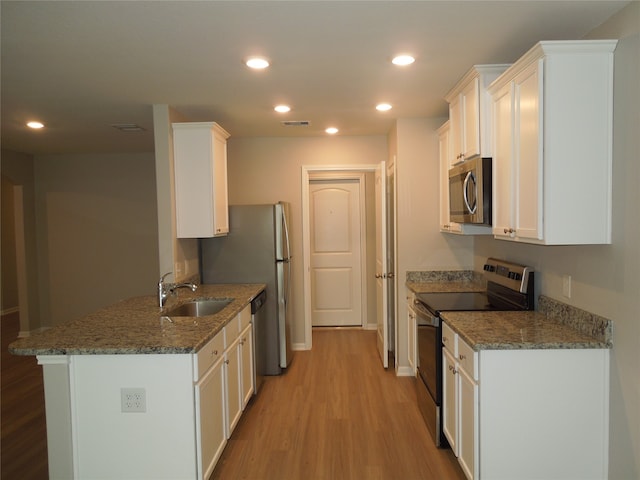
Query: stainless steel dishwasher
{"points": [[258, 319]]}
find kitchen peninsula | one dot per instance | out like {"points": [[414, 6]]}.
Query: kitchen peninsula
{"points": [[133, 393]]}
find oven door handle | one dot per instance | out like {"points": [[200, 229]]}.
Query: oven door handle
{"points": [[424, 317]]}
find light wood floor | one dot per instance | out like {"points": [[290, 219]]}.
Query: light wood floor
{"points": [[23, 442], [335, 414]]}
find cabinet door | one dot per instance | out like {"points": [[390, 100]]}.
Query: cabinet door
{"points": [[220, 206], [200, 167], [450, 400], [210, 414], [471, 119], [456, 131], [528, 152], [411, 337], [246, 348], [234, 382], [503, 177], [468, 424], [443, 144]]}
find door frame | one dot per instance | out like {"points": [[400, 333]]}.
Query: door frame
{"points": [[338, 177], [334, 172]]}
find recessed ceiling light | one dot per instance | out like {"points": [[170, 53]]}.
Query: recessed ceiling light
{"points": [[282, 108], [383, 107], [257, 63], [403, 60], [331, 130], [35, 125]]}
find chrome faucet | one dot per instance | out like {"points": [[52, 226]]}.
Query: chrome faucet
{"points": [[165, 289]]}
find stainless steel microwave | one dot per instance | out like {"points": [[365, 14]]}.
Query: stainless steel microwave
{"points": [[470, 192]]}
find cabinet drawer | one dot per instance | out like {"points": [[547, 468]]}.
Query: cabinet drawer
{"points": [[208, 355], [245, 317], [232, 329], [449, 339], [467, 358]]}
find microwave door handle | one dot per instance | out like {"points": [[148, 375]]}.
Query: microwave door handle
{"points": [[465, 186]]}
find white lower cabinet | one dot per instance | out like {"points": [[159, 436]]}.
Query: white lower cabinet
{"points": [[234, 385], [211, 428], [412, 333], [191, 402], [523, 414], [450, 399], [246, 354]]}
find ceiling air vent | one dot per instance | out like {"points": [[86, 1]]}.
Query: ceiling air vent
{"points": [[296, 123], [128, 127]]}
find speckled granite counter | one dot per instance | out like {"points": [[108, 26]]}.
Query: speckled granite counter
{"points": [[545, 329], [136, 326], [445, 281]]}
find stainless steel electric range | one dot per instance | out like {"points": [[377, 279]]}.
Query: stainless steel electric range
{"points": [[509, 287]]}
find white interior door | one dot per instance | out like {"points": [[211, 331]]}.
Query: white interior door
{"points": [[381, 265], [336, 284]]}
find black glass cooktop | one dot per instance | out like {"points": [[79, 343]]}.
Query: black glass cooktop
{"points": [[455, 301]]}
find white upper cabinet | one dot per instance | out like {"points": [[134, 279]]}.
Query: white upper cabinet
{"points": [[200, 163], [552, 144], [470, 113]]}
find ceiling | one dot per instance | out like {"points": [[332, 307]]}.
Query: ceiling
{"points": [[82, 66]]}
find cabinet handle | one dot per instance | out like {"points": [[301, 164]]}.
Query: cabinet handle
{"points": [[462, 357], [227, 362], [452, 369], [215, 352], [509, 230]]}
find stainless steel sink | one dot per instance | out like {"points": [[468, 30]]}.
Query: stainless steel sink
{"points": [[199, 308]]}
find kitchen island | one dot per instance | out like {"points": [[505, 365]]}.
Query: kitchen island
{"points": [[133, 393]]}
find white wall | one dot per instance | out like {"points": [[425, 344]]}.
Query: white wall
{"points": [[19, 167], [420, 246], [606, 278], [97, 231], [268, 170], [176, 255]]}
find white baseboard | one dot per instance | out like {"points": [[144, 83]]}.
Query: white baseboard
{"points": [[405, 372], [299, 346], [28, 333]]}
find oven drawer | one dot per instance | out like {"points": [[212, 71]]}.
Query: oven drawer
{"points": [[468, 359], [449, 339]]}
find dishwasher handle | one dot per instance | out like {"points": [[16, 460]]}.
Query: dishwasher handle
{"points": [[258, 302]]}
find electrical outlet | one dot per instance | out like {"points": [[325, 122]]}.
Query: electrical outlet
{"points": [[133, 400], [566, 286]]}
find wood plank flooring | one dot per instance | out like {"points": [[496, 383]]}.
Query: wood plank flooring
{"points": [[335, 414], [23, 441]]}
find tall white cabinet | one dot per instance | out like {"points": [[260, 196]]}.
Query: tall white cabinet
{"points": [[200, 166], [552, 144]]}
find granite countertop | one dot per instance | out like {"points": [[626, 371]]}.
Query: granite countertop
{"points": [[500, 330], [136, 326]]}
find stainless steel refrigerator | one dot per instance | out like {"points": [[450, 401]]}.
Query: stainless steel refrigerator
{"points": [[256, 250]]}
